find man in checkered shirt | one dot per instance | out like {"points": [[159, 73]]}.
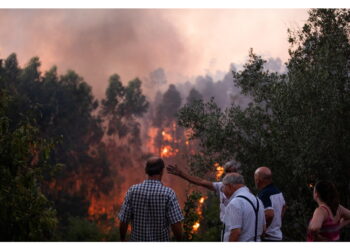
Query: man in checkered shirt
{"points": [[151, 208]]}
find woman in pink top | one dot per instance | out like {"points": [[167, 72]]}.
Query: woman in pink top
{"points": [[329, 217]]}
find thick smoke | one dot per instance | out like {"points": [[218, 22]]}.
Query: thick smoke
{"points": [[95, 43], [224, 91]]}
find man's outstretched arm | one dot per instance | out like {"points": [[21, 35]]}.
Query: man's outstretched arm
{"points": [[174, 170]]}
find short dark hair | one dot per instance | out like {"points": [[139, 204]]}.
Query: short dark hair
{"points": [[154, 166]]}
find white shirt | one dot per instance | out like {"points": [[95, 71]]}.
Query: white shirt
{"points": [[273, 199], [239, 213]]}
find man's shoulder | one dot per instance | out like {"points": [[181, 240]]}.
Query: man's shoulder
{"points": [[136, 186], [168, 190], [269, 190], [242, 196], [157, 186]]}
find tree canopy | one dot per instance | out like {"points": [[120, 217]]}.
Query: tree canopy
{"points": [[297, 122]]}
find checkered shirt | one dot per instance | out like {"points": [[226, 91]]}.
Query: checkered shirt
{"points": [[151, 208]]}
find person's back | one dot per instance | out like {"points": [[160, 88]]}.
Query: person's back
{"points": [[274, 203], [151, 208], [330, 229], [151, 217], [329, 217], [272, 198]]}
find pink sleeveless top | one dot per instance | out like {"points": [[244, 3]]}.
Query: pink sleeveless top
{"points": [[329, 230]]}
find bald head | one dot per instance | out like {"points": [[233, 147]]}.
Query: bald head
{"points": [[262, 177], [154, 166]]}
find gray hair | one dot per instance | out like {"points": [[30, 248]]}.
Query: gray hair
{"points": [[236, 166], [233, 179]]}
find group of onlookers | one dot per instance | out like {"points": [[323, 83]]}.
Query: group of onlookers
{"points": [[152, 208]]}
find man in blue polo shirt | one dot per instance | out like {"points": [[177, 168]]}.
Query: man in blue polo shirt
{"points": [[274, 203]]}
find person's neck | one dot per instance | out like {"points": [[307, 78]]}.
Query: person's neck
{"points": [[155, 177], [237, 187], [265, 184], [320, 203]]}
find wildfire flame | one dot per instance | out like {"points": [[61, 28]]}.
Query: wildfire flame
{"points": [[168, 151], [166, 136], [219, 170], [196, 225]]}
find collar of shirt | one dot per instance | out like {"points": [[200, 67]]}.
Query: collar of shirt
{"points": [[266, 187], [152, 182], [240, 191]]}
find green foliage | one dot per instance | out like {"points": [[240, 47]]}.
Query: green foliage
{"points": [[297, 123], [80, 229], [112, 235], [206, 215], [210, 224], [25, 213], [62, 107], [84, 230], [121, 106], [191, 214]]}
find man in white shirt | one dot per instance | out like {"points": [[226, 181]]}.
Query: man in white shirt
{"points": [[229, 167], [244, 215]]}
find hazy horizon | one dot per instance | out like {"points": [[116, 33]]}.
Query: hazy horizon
{"points": [[185, 43]]}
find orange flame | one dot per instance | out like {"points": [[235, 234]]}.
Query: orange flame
{"points": [[219, 170], [166, 136], [168, 151], [195, 226]]}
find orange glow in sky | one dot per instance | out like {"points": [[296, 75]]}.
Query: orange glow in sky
{"points": [[186, 43]]}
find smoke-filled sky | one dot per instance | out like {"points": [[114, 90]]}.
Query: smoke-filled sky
{"points": [[134, 42]]}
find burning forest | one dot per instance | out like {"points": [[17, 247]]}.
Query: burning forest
{"points": [[101, 145], [71, 145]]}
